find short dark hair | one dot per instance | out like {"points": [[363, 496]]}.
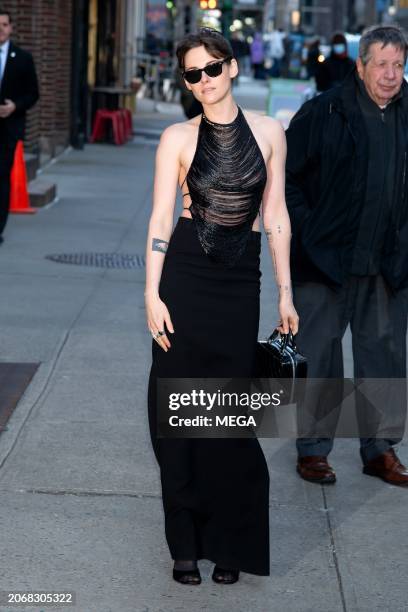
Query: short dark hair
{"points": [[6, 13], [213, 42], [385, 34]]}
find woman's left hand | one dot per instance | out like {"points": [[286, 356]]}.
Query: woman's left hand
{"points": [[289, 319]]}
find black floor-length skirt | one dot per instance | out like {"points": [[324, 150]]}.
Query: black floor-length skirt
{"points": [[215, 491]]}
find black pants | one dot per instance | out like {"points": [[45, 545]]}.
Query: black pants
{"points": [[378, 322], [7, 149]]}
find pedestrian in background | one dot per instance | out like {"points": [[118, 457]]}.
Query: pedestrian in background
{"points": [[336, 67], [239, 49], [312, 59], [18, 93], [190, 105], [275, 52], [258, 56], [246, 58], [347, 195]]}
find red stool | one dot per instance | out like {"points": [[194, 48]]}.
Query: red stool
{"points": [[124, 120], [129, 121], [103, 116]]}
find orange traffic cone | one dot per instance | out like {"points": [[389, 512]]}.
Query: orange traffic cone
{"points": [[19, 200]]}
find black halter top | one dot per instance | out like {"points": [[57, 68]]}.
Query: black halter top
{"points": [[226, 181]]}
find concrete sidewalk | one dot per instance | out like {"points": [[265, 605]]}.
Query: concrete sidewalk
{"points": [[81, 508]]}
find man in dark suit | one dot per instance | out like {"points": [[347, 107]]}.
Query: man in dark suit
{"points": [[18, 93], [347, 196]]}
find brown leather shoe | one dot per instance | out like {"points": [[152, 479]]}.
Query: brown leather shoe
{"points": [[315, 468], [388, 467]]}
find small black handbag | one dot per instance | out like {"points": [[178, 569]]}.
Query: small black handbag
{"points": [[278, 358]]}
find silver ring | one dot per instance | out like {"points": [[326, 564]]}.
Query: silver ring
{"points": [[160, 333]]}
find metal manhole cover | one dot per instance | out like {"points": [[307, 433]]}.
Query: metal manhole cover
{"points": [[100, 260]]}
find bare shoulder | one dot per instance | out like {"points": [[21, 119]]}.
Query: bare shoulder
{"points": [[261, 120], [175, 136], [182, 129], [254, 119], [275, 133], [269, 132], [268, 126], [273, 127], [173, 132]]}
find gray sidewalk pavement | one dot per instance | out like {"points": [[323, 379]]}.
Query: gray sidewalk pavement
{"points": [[81, 508]]}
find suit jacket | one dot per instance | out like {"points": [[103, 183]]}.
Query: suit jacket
{"points": [[20, 85]]}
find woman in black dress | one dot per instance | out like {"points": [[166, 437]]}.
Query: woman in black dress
{"points": [[202, 303]]}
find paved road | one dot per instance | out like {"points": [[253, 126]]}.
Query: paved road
{"points": [[81, 507]]}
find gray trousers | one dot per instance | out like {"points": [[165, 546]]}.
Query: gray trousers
{"points": [[378, 323]]}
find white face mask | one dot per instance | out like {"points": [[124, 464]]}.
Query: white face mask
{"points": [[339, 48]]}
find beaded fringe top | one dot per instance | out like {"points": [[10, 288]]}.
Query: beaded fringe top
{"points": [[226, 181]]}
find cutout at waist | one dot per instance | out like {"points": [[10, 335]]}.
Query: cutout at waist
{"points": [[190, 218]]}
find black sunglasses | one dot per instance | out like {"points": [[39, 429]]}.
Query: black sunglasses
{"points": [[212, 70]]}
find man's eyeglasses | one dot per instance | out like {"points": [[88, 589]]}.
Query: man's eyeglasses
{"points": [[212, 70]]}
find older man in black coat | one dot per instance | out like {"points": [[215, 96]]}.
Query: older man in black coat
{"points": [[347, 197], [18, 93]]}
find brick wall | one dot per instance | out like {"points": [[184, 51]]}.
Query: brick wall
{"points": [[44, 28]]}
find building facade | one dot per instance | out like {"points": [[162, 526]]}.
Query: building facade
{"points": [[44, 29], [76, 45], [287, 14], [323, 17]]}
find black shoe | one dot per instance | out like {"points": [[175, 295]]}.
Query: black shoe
{"points": [[225, 576], [190, 577]]}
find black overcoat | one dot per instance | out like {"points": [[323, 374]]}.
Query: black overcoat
{"points": [[326, 175]]}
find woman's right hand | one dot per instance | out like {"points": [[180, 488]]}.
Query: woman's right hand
{"points": [[157, 316]]}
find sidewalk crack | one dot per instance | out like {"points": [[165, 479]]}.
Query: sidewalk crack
{"points": [[334, 551], [82, 493]]}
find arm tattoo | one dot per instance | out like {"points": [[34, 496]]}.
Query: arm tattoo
{"points": [[268, 234], [159, 245], [285, 289]]}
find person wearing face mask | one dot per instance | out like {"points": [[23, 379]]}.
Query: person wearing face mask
{"points": [[336, 67]]}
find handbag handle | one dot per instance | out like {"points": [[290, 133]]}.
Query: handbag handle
{"points": [[285, 339]]}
